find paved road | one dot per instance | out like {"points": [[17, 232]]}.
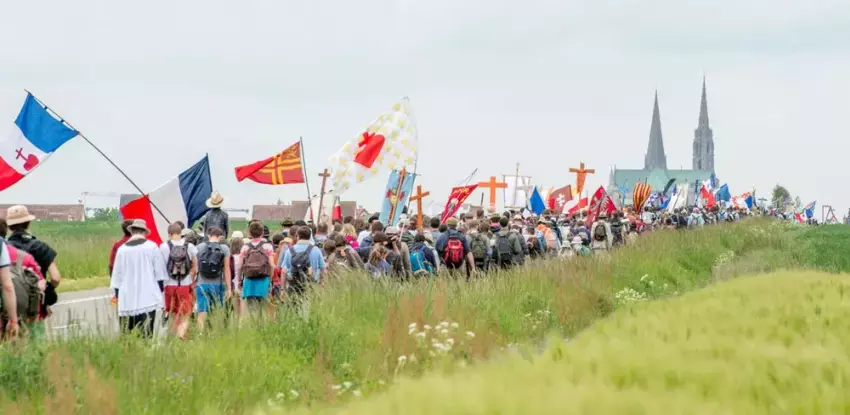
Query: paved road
{"points": [[85, 312]]}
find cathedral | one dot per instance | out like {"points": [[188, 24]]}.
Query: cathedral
{"points": [[655, 170]]}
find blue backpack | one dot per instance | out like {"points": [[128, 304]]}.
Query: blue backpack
{"points": [[418, 264]]}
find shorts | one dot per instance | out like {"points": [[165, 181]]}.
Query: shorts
{"points": [[209, 296], [178, 300], [256, 287]]}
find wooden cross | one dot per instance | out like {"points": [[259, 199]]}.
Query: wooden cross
{"points": [[581, 175], [324, 175], [493, 185], [418, 199]]}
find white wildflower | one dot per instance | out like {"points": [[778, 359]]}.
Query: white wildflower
{"points": [[336, 387], [411, 331], [357, 393], [454, 325], [644, 277], [294, 394], [381, 382], [270, 402], [426, 327], [444, 324], [346, 385], [470, 334], [279, 395], [421, 334], [412, 326], [450, 341], [402, 359], [444, 332]]}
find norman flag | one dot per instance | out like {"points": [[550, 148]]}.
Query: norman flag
{"points": [[34, 138], [390, 141], [457, 196], [559, 197], [641, 195], [600, 203], [282, 168]]}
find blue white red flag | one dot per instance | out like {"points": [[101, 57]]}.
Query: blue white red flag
{"points": [[182, 198], [36, 135]]}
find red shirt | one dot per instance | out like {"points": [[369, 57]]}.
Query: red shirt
{"points": [[115, 247]]}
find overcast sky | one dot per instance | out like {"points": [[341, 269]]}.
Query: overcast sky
{"points": [[493, 83]]}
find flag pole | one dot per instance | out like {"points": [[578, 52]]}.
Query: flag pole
{"points": [[306, 179], [80, 133]]}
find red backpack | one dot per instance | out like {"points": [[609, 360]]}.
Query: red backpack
{"points": [[453, 256]]}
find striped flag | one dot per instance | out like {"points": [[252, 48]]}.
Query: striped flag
{"points": [[641, 195]]}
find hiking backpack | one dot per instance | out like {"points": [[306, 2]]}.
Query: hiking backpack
{"points": [[256, 262], [479, 247], [27, 295], [299, 268], [211, 261], [600, 233], [504, 250], [453, 255], [179, 262], [418, 264]]}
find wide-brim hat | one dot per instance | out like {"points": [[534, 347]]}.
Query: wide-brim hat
{"points": [[139, 224], [577, 240], [17, 215], [215, 200]]}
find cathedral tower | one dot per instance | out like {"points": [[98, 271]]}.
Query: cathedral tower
{"points": [[703, 138], [655, 156]]}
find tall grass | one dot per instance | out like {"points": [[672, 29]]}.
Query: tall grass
{"points": [[771, 344], [356, 335]]}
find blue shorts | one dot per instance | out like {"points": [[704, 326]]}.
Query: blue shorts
{"points": [[256, 287], [209, 296]]}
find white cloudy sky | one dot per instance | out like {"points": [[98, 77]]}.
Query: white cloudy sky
{"points": [[547, 84]]}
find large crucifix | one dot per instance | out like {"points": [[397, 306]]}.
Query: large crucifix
{"points": [[418, 199], [324, 175], [493, 185], [581, 175]]}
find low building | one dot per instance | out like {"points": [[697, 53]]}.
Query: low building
{"points": [[296, 210], [52, 212]]}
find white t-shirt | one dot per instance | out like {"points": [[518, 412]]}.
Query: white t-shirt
{"points": [[166, 251], [5, 260]]}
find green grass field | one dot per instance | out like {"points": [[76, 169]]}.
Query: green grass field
{"points": [[360, 337]]}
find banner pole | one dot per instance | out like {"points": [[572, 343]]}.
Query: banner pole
{"points": [[79, 133], [306, 179]]}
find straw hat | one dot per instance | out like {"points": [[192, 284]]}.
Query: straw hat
{"points": [[17, 215], [139, 224], [215, 201]]}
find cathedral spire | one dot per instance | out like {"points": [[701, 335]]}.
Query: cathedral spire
{"points": [[703, 107], [655, 156]]}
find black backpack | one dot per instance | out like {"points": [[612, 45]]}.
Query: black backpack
{"points": [[179, 263], [211, 261], [300, 269], [503, 250]]}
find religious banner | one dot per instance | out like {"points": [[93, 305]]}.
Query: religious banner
{"points": [[518, 191], [282, 168], [600, 203], [577, 206], [395, 197], [456, 198], [558, 199]]}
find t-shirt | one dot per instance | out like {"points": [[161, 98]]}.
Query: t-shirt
{"points": [[166, 252], [5, 259], [225, 251]]}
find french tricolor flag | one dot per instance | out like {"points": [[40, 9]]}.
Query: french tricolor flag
{"points": [[183, 198], [35, 137]]}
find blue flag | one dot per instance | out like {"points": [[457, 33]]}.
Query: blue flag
{"points": [[723, 194], [749, 201], [395, 197], [536, 202]]}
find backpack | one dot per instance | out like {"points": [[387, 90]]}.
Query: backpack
{"points": [[504, 250], [179, 263], [340, 261], [211, 261], [479, 246], [453, 255], [617, 231], [535, 250], [600, 233], [418, 264], [27, 295], [300, 268], [256, 262]]}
